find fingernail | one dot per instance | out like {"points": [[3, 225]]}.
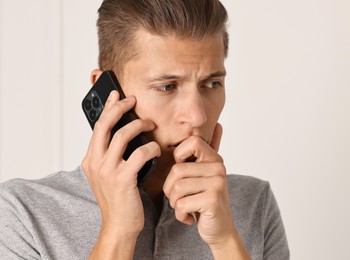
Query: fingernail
{"points": [[112, 95]]}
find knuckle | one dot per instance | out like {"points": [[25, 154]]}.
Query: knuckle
{"points": [[166, 192], [180, 216], [220, 159], [85, 163], [175, 168], [171, 202], [177, 187], [221, 169], [141, 152], [91, 169], [180, 205], [220, 182], [99, 125], [196, 140], [119, 135], [178, 169]]}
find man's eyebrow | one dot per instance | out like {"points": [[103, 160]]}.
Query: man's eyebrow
{"points": [[163, 77], [168, 77], [216, 74]]}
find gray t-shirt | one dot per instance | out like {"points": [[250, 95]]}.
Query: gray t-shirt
{"points": [[57, 217]]}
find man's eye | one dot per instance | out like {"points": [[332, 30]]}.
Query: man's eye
{"points": [[213, 84], [166, 88]]}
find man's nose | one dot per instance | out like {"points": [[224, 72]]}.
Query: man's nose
{"points": [[193, 109]]}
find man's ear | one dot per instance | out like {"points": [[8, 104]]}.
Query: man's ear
{"points": [[95, 74]]}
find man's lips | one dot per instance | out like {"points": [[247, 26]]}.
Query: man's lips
{"points": [[176, 145], [173, 146]]}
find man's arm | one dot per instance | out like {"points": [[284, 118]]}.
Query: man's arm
{"points": [[201, 187], [110, 245], [232, 249], [16, 242], [114, 181], [276, 244]]}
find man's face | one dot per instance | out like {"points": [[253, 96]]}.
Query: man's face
{"points": [[179, 85]]}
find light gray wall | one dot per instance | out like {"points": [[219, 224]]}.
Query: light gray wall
{"points": [[287, 118]]}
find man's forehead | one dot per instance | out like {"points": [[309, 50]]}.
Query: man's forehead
{"points": [[168, 56], [171, 41]]}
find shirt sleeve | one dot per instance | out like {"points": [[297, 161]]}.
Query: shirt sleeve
{"points": [[275, 240], [16, 242]]}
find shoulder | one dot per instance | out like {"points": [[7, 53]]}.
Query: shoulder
{"points": [[35, 211], [245, 181], [51, 179], [247, 187], [56, 184], [248, 197], [34, 201], [257, 217]]}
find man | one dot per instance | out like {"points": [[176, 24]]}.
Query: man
{"points": [[169, 58]]}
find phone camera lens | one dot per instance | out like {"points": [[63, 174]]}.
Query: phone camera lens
{"points": [[87, 104], [92, 115], [96, 102]]}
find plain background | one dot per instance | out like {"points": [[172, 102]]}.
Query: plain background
{"points": [[286, 120]]}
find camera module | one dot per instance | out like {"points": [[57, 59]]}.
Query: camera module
{"points": [[92, 115], [96, 102], [87, 104]]}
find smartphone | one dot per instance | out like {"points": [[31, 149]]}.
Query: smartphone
{"points": [[93, 104]]}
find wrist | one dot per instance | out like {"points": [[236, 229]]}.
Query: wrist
{"points": [[230, 248], [113, 244], [118, 232]]}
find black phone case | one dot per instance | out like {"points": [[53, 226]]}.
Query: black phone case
{"points": [[93, 104]]}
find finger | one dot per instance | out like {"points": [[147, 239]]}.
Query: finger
{"points": [[197, 147], [140, 156], [189, 186], [113, 95], [186, 208], [192, 170], [216, 139], [123, 136], [186, 218], [111, 114]]}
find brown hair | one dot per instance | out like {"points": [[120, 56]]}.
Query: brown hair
{"points": [[119, 20]]}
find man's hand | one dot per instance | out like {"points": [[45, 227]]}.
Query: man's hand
{"points": [[114, 181], [198, 191]]}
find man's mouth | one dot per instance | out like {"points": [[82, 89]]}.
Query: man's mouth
{"points": [[173, 146]]}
